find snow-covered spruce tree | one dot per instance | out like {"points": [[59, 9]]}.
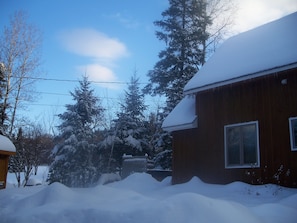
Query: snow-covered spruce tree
{"points": [[159, 141], [128, 133], [183, 26], [76, 159], [183, 29]]}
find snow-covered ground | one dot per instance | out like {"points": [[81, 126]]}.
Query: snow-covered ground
{"points": [[140, 198]]}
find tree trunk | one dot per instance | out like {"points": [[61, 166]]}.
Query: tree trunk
{"points": [[17, 98], [18, 177]]}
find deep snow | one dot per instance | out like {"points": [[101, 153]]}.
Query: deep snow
{"points": [[140, 198]]}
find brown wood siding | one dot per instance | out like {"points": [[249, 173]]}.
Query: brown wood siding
{"points": [[200, 152], [3, 170], [8, 153], [4, 158]]}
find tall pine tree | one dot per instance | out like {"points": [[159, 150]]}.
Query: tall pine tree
{"points": [[76, 160], [183, 26]]}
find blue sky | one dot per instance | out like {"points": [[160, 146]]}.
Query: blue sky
{"points": [[108, 41]]}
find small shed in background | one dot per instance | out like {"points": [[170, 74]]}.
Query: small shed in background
{"points": [[133, 164], [142, 164], [6, 149]]}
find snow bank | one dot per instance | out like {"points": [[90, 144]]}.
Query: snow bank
{"points": [[108, 178], [140, 198], [33, 182], [39, 178]]}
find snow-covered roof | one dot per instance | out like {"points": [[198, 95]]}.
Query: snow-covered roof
{"points": [[6, 145], [183, 116], [264, 50]]}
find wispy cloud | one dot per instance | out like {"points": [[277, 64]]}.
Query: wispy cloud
{"points": [[101, 49], [126, 21]]}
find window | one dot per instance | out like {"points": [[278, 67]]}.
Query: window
{"points": [[293, 133], [242, 145]]}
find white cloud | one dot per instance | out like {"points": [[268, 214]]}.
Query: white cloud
{"points": [[252, 13], [94, 44], [101, 74], [102, 50]]}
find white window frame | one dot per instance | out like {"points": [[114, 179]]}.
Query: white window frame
{"points": [[292, 140], [251, 165]]}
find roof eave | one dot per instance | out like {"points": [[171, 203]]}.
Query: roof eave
{"points": [[184, 126], [241, 78], [7, 153]]}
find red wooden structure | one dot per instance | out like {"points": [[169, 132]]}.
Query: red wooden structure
{"points": [[238, 120], [6, 149]]}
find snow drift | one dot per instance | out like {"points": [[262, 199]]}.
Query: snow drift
{"points": [[140, 198]]}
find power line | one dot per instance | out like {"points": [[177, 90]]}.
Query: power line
{"points": [[76, 81], [64, 94], [50, 93], [102, 98], [47, 105]]}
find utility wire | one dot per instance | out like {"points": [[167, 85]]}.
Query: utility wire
{"points": [[71, 80], [64, 94]]}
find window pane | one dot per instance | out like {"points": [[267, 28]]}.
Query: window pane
{"points": [[233, 145], [249, 142], [294, 132]]}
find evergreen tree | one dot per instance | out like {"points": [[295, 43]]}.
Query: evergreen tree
{"points": [[130, 121], [184, 26], [184, 31], [76, 160], [128, 133], [159, 141]]}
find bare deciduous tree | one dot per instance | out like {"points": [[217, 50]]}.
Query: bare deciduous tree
{"points": [[20, 45], [33, 148], [221, 12]]}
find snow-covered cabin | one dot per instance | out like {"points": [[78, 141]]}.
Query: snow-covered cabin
{"points": [[238, 119], [6, 149]]}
